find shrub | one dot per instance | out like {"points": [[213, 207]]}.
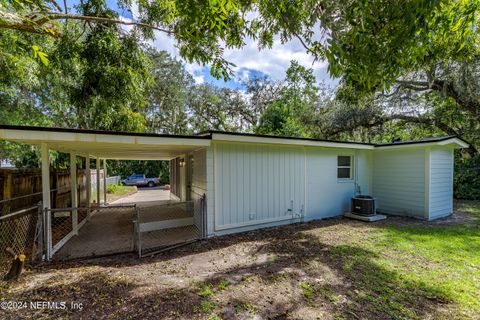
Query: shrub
{"points": [[466, 183], [112, 188]]}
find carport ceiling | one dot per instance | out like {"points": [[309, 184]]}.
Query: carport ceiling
{"points": [[107, 145]]}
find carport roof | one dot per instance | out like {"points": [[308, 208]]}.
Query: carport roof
{"points": [[106, 144], [152, 146]]}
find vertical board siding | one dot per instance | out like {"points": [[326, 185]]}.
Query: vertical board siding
{"points": [[441, 182], [328, 196], [257, 183], [363, 171], [211, 190], [199, 182], [399, 181]]}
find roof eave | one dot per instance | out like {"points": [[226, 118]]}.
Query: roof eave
{"points": [[247, 138], [455, 142]]}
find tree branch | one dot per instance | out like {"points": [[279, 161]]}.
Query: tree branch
{"points": [[32, 25], [405, 118], [414, 85], [58, 16]]}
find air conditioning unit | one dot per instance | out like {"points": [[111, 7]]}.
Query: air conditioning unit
{"points": [[363, 205]]}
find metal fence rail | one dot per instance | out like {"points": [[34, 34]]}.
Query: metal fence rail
{"points": [[168, 225]]}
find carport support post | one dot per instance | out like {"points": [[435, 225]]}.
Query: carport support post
{"points": [[46, 198], [105, 181], [74, 198], [89, 183], [98, 180]]}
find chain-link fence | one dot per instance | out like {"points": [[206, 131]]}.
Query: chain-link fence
{"points": [[19, 232], [71, 233], [163, 226], [104, 231]]}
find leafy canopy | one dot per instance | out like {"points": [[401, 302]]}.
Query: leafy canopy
{"points": [[370, 43]]}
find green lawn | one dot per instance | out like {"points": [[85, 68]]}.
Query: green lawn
{"points": [[396, 264], [116, 192]]}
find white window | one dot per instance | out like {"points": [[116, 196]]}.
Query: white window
{"points": [[344, 167]]}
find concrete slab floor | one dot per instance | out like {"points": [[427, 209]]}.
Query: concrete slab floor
{"points": [[106, 232]]}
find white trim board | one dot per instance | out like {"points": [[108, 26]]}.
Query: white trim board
{"points": [[257, 222], [287, 141], [165, 224]]}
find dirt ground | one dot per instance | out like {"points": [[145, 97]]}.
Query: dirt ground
{"points": [[293, 272]]}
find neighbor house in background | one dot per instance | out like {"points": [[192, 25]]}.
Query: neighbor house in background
{"points": [[253, 181]]}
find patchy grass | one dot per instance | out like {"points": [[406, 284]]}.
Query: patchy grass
{"points": [[116, 192], [335, 269], [205, 290], [245, 307], [223, 285], [308, 290]]}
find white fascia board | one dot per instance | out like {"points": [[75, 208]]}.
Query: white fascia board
{"points": [[38, 137], [282, 141], [31, 135], [457, 143], [173, 141]]}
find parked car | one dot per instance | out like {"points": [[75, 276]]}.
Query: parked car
{"points": [[140, 180]]}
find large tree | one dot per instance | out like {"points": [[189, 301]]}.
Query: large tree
{"points": [[371, 43], [296, 101]]}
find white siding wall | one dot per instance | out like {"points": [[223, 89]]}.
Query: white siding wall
{"points": [[364, 171], [328, 196], [256, 185], [210, 210], [399, 181], [441, 182], [199, 182]]}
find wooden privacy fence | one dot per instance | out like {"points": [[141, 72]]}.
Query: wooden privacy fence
{"points": [[22, 188]]}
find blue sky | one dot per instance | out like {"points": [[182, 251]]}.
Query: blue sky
{"points": [[250, 62]]}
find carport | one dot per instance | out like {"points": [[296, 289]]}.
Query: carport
{"points": [[84, 224]]}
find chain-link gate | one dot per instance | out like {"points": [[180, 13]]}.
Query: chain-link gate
{"points": [[99, 231], [167, 225]]}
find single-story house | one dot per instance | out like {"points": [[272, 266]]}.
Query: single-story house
{"points": [[254, 181]]}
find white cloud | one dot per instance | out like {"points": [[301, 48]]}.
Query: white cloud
{"points": [[273, 62]]}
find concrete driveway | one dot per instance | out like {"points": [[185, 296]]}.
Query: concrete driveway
{"points": [[146, 197]]}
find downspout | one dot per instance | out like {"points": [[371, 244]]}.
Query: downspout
{"points": [[357, 190]]}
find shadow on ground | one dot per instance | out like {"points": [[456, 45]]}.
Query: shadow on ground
{"points": [[303, 271]]}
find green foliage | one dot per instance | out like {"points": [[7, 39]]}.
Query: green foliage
{"points": [[288, 114], [112, 188], [371, 43], [168, 95], [150, 168], [223, 284], [205, 291], [208, 306], [308, 290], [467, 178], [104, 76], [245, 306], [278, 119]]}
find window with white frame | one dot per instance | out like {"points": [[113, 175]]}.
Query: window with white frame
{"points": [[344, 167]]}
